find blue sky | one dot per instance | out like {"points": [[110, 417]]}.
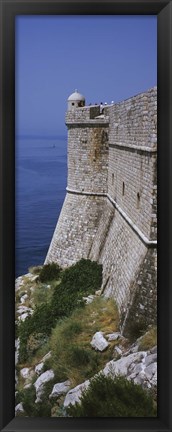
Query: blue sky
{"points": [[105, 57]]}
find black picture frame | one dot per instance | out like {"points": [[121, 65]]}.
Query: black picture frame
{"points": [[8, 10]]}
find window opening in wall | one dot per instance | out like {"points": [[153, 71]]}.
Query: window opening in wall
{"points": [[123, 188], [138, 200], [73, 103], [112, 179], [80, 104]]}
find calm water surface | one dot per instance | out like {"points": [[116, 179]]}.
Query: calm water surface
{"points": [[41, 176]]}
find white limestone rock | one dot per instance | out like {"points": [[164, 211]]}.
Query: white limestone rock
{"points": [[151, 370], [133, 367], [28, 275], [46, 356], [32, 289], [19, 282], [99, 343], [17, 346], [26, 386], [24, 309], [151, 358], [19, 408], [23, 312], [89, 299], [34, 278], [59, 389], [121, 366], [23, 298], [39, 368], [153, 350], [75, 394], [118, 350], [114, 336], [154, 379], [98, 292], [27, 373], [23, 316], [40, 382], [16, 379]]}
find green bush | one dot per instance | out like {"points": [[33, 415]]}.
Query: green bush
{"points": [[81, 279], [35, 342], [85, 276], [49, 272], [113, 397], [41, 321]]}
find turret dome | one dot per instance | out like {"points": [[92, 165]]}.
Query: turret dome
{"points": [[76, 96], [75, 100]]}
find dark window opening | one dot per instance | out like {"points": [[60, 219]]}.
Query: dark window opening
{"points": [[123, 188], [104, 137], [112, 179], [73, 103], [138, 200], [81, 104]]}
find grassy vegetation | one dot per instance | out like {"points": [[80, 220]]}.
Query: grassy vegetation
{"points": [[42, 294], [113, 397], [73, 356], [67, 294], [149, 340]]}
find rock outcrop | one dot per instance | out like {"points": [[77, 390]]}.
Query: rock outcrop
{"points": [[60, 389], [99, 342], [141, 367], [40, 383]]}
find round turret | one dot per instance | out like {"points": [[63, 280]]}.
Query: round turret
{"points": [[75, 100]]}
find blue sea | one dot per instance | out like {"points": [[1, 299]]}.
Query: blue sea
{"points": [[41, 179]]}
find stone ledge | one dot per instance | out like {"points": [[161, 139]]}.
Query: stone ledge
{"points": [[145, 240]]}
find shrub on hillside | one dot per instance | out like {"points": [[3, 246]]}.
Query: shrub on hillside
{"points": [[49, 272], [41, 321], [81, 279], [113, 397], [85, 276]]}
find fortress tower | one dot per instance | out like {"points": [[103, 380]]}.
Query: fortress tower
{"points": [[109, 213], [86, 185]]}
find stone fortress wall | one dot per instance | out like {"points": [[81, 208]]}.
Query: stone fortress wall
{"points": [[110, 210]]}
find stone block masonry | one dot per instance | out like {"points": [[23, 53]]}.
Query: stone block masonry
{"points": [[76, 229], [110, 210]]}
